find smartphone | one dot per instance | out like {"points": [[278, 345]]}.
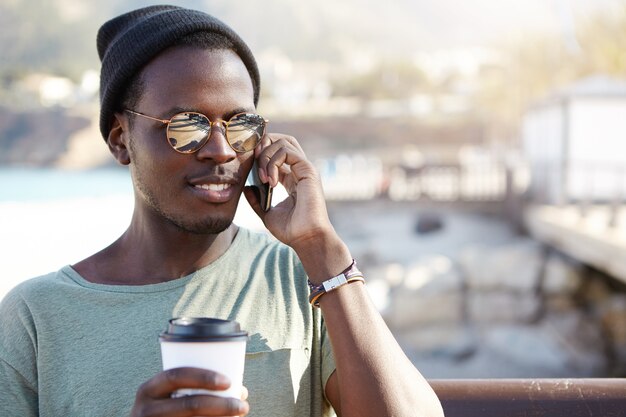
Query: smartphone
{"points": [[264, 191]]}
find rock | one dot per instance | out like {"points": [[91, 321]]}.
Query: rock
{"points": [[613, 319], [581, 338], [453, 340], [526, 346], [21, 134], [482, 363], [502, 307], [392, 273], [613, 316], [596, 290], [409, 309], [561, 276], [428, 223], [431, 292], [560, 303], [515, 266], [556, 348], [433, 275]]}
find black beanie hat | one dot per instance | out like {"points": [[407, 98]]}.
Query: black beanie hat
{"points": [[128, 42]]}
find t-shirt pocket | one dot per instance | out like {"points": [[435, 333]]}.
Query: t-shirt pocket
{"points": [[277, 379]]}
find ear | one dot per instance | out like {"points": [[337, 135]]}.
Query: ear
{"points": [[118, 139]]}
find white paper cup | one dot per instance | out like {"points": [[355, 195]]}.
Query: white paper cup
{"points": [[200, 342]]}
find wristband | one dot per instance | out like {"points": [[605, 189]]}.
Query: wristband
{"points": [[349, 275]]}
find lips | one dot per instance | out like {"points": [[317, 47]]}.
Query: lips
{"points": [[214, 189]]}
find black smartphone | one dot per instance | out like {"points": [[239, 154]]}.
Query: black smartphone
{"points": [[264, 190]]}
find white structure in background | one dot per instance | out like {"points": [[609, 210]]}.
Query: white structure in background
{"points": [[51, 90], [476, 173], [355, 177], [574, 141], [483, 174]]}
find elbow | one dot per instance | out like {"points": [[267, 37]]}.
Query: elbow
{"points": [[430, 408], [434, 407], [427, 404]]}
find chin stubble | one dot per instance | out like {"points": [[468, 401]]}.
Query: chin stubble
{"points": [[202, 226]]}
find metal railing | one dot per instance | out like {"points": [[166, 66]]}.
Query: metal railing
{"points": [[601, 397]]}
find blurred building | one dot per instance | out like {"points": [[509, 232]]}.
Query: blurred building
{"points": [[574, 142]]}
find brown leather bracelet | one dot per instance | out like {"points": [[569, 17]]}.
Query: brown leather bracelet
{"points": [[347, 276]]}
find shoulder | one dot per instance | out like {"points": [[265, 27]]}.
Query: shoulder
{"points": [[256, 238], [263, 242], [34, 289], [21, 313], [269, 252], [18, 317]]}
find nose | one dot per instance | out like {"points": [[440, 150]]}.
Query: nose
{"points": [[217, 148]]}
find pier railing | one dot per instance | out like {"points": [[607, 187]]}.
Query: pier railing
{"points": [[601, 397]]}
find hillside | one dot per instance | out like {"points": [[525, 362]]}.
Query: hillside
{"points": [[59, 35]]}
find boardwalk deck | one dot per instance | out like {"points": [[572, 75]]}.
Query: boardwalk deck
{"points": [[595, 235]]}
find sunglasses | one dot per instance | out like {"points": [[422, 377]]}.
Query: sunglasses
{"points": [[187, 132]]}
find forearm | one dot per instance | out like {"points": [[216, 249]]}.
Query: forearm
{"points": [[375, 376]]}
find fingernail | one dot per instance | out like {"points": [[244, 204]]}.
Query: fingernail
{"points": [[222, 380]]}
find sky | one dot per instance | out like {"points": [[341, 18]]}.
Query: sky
{"points": [[437, 24], [457, 23]]}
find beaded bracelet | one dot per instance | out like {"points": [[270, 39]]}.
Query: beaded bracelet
{"points": [[349, 275]]}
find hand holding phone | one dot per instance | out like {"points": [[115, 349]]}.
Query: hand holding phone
{"points": [[264, 191]]}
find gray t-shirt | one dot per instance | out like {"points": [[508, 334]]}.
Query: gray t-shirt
{"points": [[69, 347]]}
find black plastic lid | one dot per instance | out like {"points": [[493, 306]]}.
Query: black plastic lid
{"points": [[202, 329]]}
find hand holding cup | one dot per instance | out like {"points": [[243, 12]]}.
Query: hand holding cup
{"points": [[203, 361], [154, 397], [208, 343]]}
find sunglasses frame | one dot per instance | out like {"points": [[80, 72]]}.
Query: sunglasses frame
{"points": [[222, 123]]}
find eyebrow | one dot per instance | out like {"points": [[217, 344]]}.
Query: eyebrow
{"points": [[176, 109]]}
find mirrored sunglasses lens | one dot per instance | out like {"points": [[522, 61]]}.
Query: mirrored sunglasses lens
{"points": [[245, 131], [187, 132]]}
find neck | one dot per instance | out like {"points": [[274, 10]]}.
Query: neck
{"points": [[148, 255]]}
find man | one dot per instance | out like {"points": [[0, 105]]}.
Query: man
{"points": [[179, 91]]}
